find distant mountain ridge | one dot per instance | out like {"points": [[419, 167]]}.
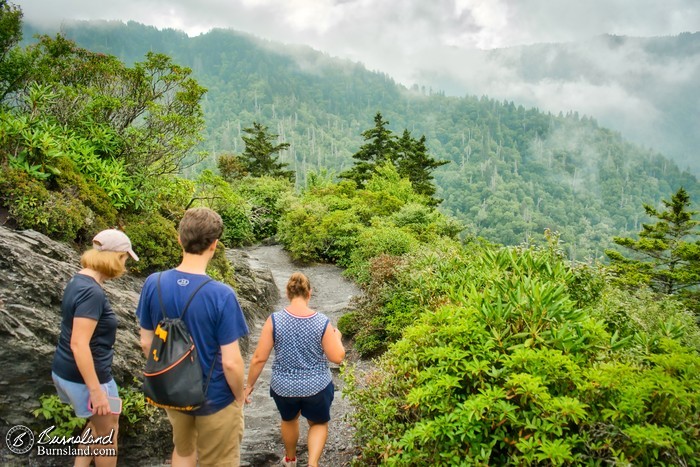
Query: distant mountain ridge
{"points": [[514, 171]]}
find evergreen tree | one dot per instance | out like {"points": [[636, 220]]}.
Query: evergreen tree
{"points": [[667, 252], [260, 155], [414, 162], [380, 147]]}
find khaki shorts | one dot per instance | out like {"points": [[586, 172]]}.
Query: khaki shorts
{"points": [[217, 437]]}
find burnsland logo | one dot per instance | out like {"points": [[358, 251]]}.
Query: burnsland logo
{"points": [[20, 440], [85, 438]]}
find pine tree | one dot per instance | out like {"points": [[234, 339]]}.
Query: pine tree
{"points": [[414, 162], [667, 254], [380, 147], [259, 156]]}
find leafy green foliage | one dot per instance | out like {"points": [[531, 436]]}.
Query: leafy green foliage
{"points": [[219, 268], [670, 257], [501, 367], [29, 142], [349, 226], [268, 198], [414, 162], [32, 206], [102, 213], [214, 192], [171, 195], [380, 147], [155, 239], [12, 63], [94, 138], [642, 312], [149, 114], [231, 167], [60, 415], [375, 240], [135, 412]]}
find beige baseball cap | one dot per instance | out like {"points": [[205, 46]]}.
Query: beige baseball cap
{"points": [[113, 240]]}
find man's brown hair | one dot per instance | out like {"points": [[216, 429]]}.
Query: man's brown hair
{"points": [[198, 229]]}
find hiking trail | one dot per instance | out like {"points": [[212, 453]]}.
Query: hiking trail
{"points": [[331, 293]]}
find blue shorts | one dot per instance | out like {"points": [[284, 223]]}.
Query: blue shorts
{"points": [[316, 408], [78, 394]]}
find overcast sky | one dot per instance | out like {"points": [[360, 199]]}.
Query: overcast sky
{"points": [[436, 41], [388, 35]]}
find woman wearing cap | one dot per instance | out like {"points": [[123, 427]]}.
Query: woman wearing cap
{"points": [[304, 342], [82, 364]]}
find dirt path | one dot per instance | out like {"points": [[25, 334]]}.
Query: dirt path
{"points": [[262, 444]]}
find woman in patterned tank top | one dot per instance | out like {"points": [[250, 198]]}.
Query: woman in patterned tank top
{"points": [[304, 341]]}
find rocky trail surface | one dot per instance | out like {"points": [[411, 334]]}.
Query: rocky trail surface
{"points": [[331, 294]]}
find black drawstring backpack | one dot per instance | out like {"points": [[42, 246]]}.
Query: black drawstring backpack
{"points": [[173, 374]]}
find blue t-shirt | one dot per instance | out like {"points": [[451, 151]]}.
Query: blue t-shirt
{"points": [[83, 297], [214, 318]]}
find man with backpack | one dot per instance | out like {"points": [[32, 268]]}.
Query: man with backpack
{"points": [[212, 432]]}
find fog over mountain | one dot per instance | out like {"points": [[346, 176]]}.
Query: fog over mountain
{"points": [[646, 88]]}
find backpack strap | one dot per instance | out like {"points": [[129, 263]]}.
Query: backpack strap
{"points": [[211, 372], [189, 300]]}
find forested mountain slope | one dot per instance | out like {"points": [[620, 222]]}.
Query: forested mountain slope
{"points": [[513, 173]]}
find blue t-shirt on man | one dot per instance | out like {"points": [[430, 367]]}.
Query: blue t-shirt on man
{"points": [[214, 318]]}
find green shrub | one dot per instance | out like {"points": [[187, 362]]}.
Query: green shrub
{"points": [[268, 198], [87, 191], [401, 288], [171, 195], [348, 325], [425, 222], [135, 412], [641, 311], [645, 412], [238, 229], [109, 173], [503, 368], [58, 214], [313, 232], [154, 239], [216, 193], [374, 241], [219, 268]]}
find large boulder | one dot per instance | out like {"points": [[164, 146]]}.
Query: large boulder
{"points": [[33, 272]]}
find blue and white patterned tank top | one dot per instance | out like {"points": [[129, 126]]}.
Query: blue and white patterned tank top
{"points": [[300, 368]]}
